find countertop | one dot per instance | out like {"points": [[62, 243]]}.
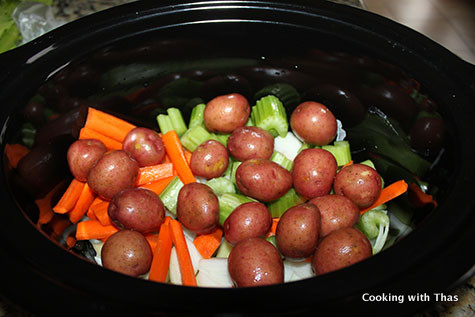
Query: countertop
{"points": [[69, 10]]}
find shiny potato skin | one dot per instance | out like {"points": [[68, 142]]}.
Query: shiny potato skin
{"points": [[145, 146], [263, 180], [337, 212], [255, 262], [198, 208], [112, 173], [246, 143], [298, 231], [82, 155], [127, 252], [340, 249], [313, 172], [209, 160], [138, 209], [313, 123], [360, 183], [248, 220], [226, 113]]}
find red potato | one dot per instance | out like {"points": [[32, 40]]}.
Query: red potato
{"points": [[249, 220], [337, 212], [255, 262], [298, 231], [198, 208], [246, 143], [313, 172], [360, 183], [112, 173], [209, 160], [82, 155], [127, 252], [226, 113], [313, 123], [263, 180], [340, 249], [145, 146], [138, 209]]}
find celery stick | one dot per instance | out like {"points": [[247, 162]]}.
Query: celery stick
{"points": [[280, 159], [224, 249], [371, 164], [233, 171], [177, 120], [194, 136], [341, 152], [269, 114], [228, 202], [221, 185], [285, 92], [169, 195], [370, 221], [197, 115], [288, 200], [228, 172], [164, 123], [221, 138]]}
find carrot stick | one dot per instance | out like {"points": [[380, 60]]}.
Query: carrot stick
{"points": [[15, 152], [107, 124], [177, 156], [58, 224], [100, 210], [207, 244], [152, 239], [70, 242], [161, 254], [153, 173], [186, 266], [82, 205], [348, 164], [92, 229], [45, 207], [111, 144], [389, 192], [275, 221], [418, 197], [70, 197], [90, 212], [188, 156], [158, 186]]}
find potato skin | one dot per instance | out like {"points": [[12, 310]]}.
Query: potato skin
{"points": [[340, 249], [127, 252], [298, 231], [313, 172], [313, 123], [138, 209], [209, 160], [360, 183], [337, 212], [255, 262], [82, 155], [226, 113], [198, 208], [113, 172], [263, 180], [145, 146], [246, 143], [248, 220]]}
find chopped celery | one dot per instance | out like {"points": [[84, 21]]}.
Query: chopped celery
{"points": [[221, 138], [233, 171], [289, 96], [194, 136], [288, 145], [228, 202], [271, 239], [249, 122], [269, 114], [172, 121], [340, 150], [197, 115], [288, 200], [170, 194], [228, 172], [224, 249], [221, 185], [28, 134], [280, 159], [304, 146], [375, 225], [371, 164]]}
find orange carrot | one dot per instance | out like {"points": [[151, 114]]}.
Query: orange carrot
{"points": [[188, 156], [58, 224], [70, 197], [82, 205], [207, 244], [389, 192], [186, 266], [107, 124], [177, 156], [275, 221], [348, 164], [418, 197], [161, 254], [100, 210], [110, 144], [45, 207], [15, 152], [158, 186], [90, 212], [70, 242], [153, 173], [92, 229]]}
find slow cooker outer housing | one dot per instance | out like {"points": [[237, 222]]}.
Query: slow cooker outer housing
{"points": [[43, 277]]}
